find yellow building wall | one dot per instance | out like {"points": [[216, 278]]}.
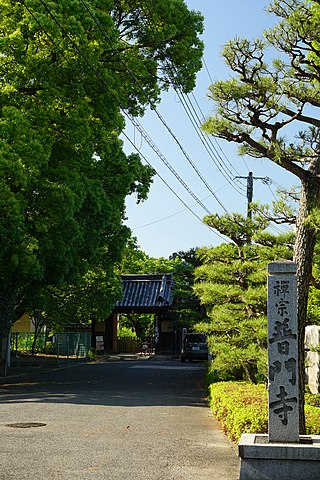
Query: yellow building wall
{"points": [[24, 324]]}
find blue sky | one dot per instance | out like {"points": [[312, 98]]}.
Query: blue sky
{"points": [[163, 224]]}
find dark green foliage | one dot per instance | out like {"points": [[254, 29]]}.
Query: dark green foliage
{"points": [[231, 284], [67, 75]]}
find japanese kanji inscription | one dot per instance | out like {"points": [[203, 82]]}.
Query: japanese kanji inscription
{"points": [[283, 353]]}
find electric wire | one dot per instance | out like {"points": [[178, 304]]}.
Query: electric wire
{"points": [[133, 120], [212, 81], [168, 216], [207, 70], [154, 147], [211, 150], [218, 146], [273, 195], [209, 138], [156, 111], [159, 220], [185, 102], [113, 120]]}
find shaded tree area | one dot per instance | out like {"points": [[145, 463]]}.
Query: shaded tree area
{"points": [[68, 73]]}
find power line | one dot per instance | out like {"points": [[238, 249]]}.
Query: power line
{"points": [[215, 148], [161, 118], [208, 145], [97, 74], [165, 161], [211, 150], [212, 81], [270, 190], [168, 216], [207, 70]]}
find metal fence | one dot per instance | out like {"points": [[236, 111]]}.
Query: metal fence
{"points": [[23, 342], [62, 348], [72, 346]]}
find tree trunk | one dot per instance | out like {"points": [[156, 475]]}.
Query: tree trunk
{"points": [[303, 255], [38, 322], [7, 304]]}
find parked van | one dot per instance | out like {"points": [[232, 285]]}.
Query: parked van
{"points": [[194, 347]]}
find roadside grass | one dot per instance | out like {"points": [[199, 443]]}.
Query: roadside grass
{"points": [[243, 408]]}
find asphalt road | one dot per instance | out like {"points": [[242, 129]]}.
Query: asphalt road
{"points": [[126, 420]]}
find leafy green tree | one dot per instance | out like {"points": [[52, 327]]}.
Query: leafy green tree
{"points": [[188, 307], [92, 297], [231, 284], [270, 108], [139, 325], [68, 71]]}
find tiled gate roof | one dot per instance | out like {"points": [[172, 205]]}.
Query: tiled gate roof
{"points": [[147, 293]]}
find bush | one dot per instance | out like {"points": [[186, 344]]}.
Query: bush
{"points": [[92, 354], [312, 399], [240, 407], [312, 419], [243, 408]]}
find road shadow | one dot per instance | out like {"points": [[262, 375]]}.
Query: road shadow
{"points": [[124, 384]]}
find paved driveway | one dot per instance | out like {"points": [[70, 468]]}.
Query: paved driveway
{"points": [[120, 421]]}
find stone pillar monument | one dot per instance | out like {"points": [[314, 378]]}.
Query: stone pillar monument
{"points": [[283, 353], [282, 453]]}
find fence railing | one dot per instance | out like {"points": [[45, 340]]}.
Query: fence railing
{"points": [[23, 342], [128, 345], [72, 346], [66, 347], [63, 348]]}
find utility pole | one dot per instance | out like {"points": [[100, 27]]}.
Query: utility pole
{"points": [[250, 178]]}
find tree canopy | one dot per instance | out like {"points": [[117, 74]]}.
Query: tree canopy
{"points": [[69, 71], [270, 107]]}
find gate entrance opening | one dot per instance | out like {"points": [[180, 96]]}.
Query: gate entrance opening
{"points": [[145, 293]]}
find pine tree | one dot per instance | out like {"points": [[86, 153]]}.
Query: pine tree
{"points": [[231, 283]]}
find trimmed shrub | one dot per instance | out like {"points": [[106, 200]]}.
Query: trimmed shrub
{"points": [[239, 407], [243, 408], [312, 419]]}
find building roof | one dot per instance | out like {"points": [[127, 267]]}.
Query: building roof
{"points": [[146, 293]]}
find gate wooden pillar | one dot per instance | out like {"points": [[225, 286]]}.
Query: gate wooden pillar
{"points": [[110, 334]]}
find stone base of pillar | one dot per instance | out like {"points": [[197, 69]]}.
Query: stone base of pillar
{"points": [[260, 460]]}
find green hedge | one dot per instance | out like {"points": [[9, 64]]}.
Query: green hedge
{"points": [[243, 408]]}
